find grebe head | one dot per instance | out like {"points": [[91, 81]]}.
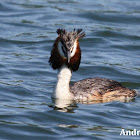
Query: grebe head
{"points": [[68, 42], [66, 49]]}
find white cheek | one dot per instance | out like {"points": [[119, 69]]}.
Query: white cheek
{"points": [[74, 49], [60, 49]]}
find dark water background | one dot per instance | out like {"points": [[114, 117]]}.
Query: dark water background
{"points": [[110, 49]]}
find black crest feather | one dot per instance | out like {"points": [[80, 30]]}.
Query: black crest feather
{"points": [[76, 32]]}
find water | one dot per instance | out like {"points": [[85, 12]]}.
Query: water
{"points": [[110, 49]]}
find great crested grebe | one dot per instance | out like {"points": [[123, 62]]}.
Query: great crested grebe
{"points": [[66, 57]]}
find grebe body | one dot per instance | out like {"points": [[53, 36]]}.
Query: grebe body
{"points": [[66, 58], [102, 90]]}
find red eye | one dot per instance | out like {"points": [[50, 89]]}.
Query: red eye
{"points": [[71, 49]]}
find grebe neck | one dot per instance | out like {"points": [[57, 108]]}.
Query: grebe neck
{"points": [[62, 88]]}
